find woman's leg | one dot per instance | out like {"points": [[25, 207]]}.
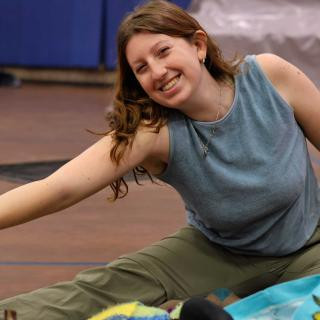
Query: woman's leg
{"points": [[178, 267], [90, 292], [306, 261]]}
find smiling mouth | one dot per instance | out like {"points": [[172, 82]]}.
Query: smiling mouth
{"points": [[170, 84]]}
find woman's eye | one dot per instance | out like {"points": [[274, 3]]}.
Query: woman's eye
{"points": [[163, 50], [141, 68]]}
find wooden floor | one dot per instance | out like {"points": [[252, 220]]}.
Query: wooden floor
{"points": [[48, 122]]}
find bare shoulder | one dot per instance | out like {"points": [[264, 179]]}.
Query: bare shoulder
{"points": [[288, 79], [279, 71], [267, 58], [298, 90], [273, 65], [158, 154], [154, 143]]}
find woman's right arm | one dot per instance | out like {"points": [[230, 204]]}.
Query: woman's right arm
{"points": [[83, 176]]}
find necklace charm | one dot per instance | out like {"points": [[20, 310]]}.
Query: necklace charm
{"points": [[205, 147], [205, 150]]}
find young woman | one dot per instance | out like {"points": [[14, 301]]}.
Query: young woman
{"points": [[229, 136]]}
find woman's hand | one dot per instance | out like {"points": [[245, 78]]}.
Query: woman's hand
{"points": [[170, 305]]}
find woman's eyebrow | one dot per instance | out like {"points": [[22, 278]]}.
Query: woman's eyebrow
{"points": [[154, 47]]}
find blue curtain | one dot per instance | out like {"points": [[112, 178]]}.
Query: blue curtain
{"points": [[55, 33]]}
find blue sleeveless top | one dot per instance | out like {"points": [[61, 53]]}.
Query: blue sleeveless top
{"points": [[255, 192]]}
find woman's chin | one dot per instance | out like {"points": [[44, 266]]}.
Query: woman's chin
{"points": [[177, 102]]}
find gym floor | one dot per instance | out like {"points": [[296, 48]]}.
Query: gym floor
{"points": [[47, 123]]}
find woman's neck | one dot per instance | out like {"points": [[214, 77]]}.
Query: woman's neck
{"points": [[211, 101]]}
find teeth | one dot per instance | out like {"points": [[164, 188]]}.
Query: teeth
{"points": [[170, 84]]}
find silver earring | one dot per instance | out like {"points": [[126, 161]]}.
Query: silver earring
{"points": [[204, 60]]}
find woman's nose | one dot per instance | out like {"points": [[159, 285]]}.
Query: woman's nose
{"points": [[158, 71]]}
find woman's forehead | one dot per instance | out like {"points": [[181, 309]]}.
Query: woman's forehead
{"points": [[143, 43]]}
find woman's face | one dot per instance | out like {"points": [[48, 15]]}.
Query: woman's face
{"points": [[168, 68]]}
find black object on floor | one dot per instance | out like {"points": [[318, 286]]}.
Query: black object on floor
{"points": [[27, 172], [9, 80], [202, 309]]}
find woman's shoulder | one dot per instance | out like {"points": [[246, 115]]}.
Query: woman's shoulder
{"points": [[273, 65], [298, 90], [157, 145], [278, 71]]}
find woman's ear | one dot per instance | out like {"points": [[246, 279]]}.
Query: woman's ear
{"points": [[200, 41]]}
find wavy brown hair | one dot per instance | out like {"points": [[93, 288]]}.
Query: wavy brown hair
{"points": [[132, 106]]}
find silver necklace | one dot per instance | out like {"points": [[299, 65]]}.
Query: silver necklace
{"points": [[205, 147]]}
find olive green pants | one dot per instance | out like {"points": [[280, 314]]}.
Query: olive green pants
{"points": [[180, 266]]}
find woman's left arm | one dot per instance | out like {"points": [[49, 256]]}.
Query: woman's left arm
{"points": [[298, 90]]}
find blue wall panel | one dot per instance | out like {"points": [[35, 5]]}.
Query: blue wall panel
{"points": [[55, 33], [10, 31], [114, 12]]}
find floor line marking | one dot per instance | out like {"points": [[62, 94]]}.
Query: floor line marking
{"points": [[48, 263]]}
